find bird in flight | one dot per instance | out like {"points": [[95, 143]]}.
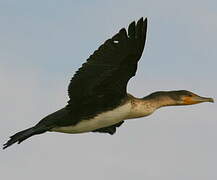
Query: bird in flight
{"points": [[98, 98]]}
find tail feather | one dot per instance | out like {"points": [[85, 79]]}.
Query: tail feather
{"points": [[22, 135], [55, 119]]}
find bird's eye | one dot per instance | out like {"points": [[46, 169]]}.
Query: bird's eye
{"points": [[190, 95]]}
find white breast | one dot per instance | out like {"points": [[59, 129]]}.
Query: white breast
{"points": [[102, 120]]}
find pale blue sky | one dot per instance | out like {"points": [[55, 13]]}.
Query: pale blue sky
{"points": [[42, 43]]}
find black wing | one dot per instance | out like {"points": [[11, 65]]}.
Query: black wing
{"points": [[100, 84]]}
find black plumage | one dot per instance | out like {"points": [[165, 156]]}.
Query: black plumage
{"points": [[99, 85], [98, 91]]}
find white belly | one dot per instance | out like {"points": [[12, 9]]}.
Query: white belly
{"points": [[102, 120]]}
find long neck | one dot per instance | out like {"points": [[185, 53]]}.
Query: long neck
{"points": [[145, 106], [160, 99]]}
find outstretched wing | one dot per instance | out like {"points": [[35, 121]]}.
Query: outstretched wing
{"points": [[100, 84]]}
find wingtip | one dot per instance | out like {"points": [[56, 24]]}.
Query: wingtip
{"points": [[144, 19], [142, 22]]}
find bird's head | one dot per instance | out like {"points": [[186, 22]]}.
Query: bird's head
{"points": [[183, 97], [180, 97]]}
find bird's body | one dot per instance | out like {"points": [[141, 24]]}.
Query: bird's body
{"points": [[130, 108], [101, 120], [99, 101]]}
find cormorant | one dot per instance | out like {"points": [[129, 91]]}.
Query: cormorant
{"points": [[99, 101]]}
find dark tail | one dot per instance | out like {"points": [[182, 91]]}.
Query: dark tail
{"points": [[23, 135], [55, 119]]}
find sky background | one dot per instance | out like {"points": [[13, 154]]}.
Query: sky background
{"points": [[42, 44]]}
